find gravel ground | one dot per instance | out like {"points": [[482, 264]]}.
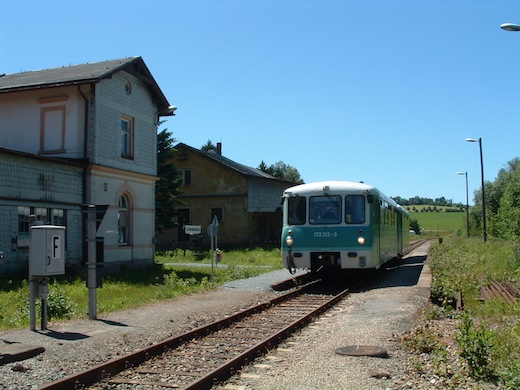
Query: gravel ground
{"points": [[379, 316]]}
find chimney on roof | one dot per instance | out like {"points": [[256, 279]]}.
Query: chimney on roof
{"points": [[219, 148]]}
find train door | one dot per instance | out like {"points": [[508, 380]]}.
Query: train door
{"points": [[400, 232], [375, 224]]}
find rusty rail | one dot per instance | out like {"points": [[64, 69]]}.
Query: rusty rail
{"points": [[506, 291], [112, 368]]}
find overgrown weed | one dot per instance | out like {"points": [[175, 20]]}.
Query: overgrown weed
{"points": [[488, 334]]}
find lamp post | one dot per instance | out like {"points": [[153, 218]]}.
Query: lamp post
{"points": [[467, 203], [484, 231], [510, 27]]}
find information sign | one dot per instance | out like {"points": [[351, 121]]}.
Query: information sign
{"points": [[192, 229]]}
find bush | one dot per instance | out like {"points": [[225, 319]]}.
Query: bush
{"points": [[58, 304], [475, 344], [461, 264]]}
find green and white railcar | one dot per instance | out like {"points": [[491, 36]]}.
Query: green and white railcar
{"points": [[342, 225]]}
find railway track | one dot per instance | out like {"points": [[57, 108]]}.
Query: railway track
{"points": [[212, 353], [201, 357]]}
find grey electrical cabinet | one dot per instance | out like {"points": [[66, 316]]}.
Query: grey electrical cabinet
{"points": [[47, 250]]}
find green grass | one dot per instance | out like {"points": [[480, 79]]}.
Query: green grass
{"points": [[244, 257], [440, 223], [167, 279]]}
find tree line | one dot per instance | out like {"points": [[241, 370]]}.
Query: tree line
{"points": [[502, 201], [419, 200]]}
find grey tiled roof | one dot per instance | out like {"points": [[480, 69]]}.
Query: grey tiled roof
{"points": [[243, 169], [81, 74]]}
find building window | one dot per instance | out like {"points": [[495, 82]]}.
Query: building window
{"points": [[128, 87], [52, 128], [122, 220], [28, 216], [40, 215], [57, 217], [24, 222], [219, 212], [186, 177], [127, 136], [183, 217]]}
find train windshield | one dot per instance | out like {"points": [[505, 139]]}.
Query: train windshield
{"points": [[325, 209], [296, 213], [355, 209]]}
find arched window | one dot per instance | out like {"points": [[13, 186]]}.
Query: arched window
{"points": [[123, 220]]}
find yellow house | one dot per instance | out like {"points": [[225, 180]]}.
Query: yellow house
{"points": [[245, 200]]}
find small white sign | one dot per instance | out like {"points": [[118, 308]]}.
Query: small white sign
{"points": [[192, 229]]}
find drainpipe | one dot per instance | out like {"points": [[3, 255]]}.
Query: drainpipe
{"points": [[85, 196], [85, 141]]}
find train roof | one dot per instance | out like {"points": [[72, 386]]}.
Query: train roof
{"points": [[336, 186], [333, 186]]}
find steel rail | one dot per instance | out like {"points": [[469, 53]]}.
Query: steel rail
{"points": [[115, 366], [104, 371], [226, 370]]}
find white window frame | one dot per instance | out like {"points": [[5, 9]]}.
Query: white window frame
{"points": [[123, 220], [126, 125], [52, 129], [186, 177]]}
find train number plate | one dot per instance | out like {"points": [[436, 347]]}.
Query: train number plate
{"points": [[325, 234]]}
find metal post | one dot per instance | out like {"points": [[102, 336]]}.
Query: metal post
{"points": [[467, 206], [484, 230], [212, 254], [91, 261], [44, 314], [467, 202], [33, 286], [43, 293]]}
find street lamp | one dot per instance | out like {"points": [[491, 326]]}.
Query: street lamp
{"points": [[510, 27], [467, 203], [484, 231]]}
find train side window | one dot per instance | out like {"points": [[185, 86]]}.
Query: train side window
{"points": [[296, 210], [355, 209]]}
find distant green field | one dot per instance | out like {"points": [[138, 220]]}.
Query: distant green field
{"points": [[440, 222]]}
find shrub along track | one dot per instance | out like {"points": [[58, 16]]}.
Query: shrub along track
{"points": [[199, 358]]}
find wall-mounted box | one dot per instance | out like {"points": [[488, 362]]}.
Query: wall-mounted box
{"points": [[47, 250]]}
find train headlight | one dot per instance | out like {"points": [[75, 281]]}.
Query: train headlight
{"points": [[361, 240], [289, 241]]}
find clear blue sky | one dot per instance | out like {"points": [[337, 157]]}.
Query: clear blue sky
{"points": [[380, 91]]}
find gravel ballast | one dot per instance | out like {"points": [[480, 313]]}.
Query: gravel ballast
{"points": [[379, 316]]}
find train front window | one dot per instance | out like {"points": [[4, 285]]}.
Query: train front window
{"points": [[296, 214], [355, 209], [325, 210]]}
